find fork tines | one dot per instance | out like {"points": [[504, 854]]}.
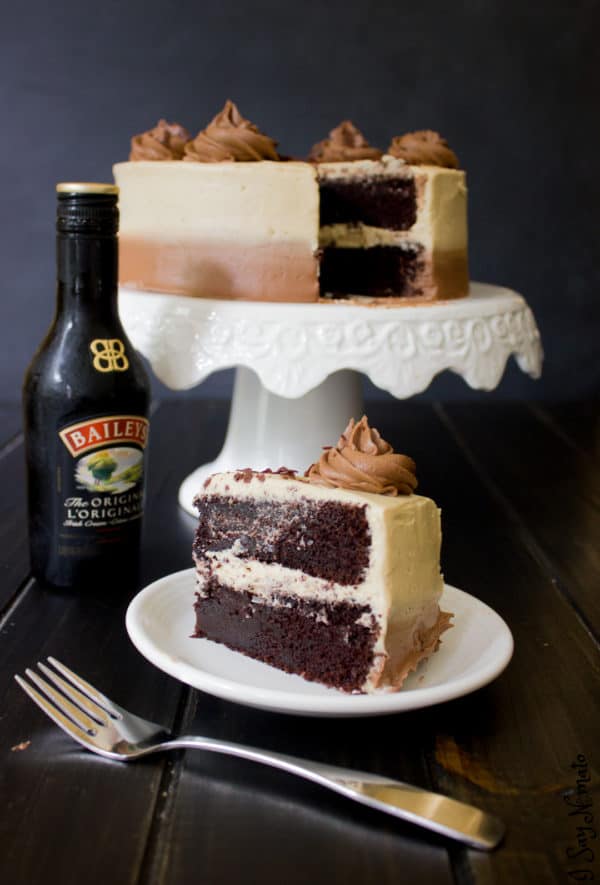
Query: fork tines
{"points": [[74, 705]]}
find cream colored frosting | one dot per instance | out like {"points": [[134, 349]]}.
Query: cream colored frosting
{"points": [[186, 202], [386, 166], [363, 236], [441, 223]]}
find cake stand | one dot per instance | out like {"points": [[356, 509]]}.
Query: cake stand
{"points": [[299, 365]]}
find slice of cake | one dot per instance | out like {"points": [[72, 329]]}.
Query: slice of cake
{"points": [[391, 226], [334, 575], [223, 218]]}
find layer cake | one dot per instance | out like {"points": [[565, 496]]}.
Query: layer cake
{"points": [[333, 576], [223, 215]]}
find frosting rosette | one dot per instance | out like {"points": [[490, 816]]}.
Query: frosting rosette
{"points": [[165, 142], [364, 462], [230, 137], [345, 142], [423, 148]]}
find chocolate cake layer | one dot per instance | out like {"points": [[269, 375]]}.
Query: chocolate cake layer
{"points": [[380, 202], [321, 643], [325, 540], [381, 271]]}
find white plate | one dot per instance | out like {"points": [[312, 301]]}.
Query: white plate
{"points": [[160, 621]]}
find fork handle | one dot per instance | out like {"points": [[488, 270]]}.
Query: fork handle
{"points": [[443, 815]]}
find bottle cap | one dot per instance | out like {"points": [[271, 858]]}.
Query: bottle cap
{"points": [[85, 187], [87, 207]]}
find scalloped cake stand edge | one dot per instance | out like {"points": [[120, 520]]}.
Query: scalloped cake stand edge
{"points": [[299, 365]]}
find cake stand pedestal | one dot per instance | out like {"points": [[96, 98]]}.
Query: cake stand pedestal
{"points": [[298, 365]]}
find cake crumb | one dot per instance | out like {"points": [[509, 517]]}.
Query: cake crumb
{"points": [[18, 748]]}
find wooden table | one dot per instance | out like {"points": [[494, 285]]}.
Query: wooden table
{"points": [[519, 487]]}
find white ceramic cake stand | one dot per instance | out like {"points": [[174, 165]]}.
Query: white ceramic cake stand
{"points": [[298, 365]]}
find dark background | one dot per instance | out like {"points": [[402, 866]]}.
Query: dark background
{"points": [[512, 85]]}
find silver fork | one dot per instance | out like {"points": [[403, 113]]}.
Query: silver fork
{"points": [[104, 727]]}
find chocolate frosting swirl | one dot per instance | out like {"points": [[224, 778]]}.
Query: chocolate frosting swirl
{"points": [[423, 148], [165, 142], [345, 142], [229, 136], [364, 462]]}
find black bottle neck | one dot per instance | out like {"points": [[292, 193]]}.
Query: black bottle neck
{"points": [[87, 270]]}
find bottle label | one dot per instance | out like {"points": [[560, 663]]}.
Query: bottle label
{"points": [[100, 480]]}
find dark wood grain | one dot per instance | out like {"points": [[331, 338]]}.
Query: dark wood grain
{"points": [[548, 486], [284, 829], [510, 745], [14, 547], [64, 808], [70, 817], [14, 551], [578, 423], [242, 804]]}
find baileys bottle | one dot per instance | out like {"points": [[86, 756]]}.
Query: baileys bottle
{"points": [[85, 398]]}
